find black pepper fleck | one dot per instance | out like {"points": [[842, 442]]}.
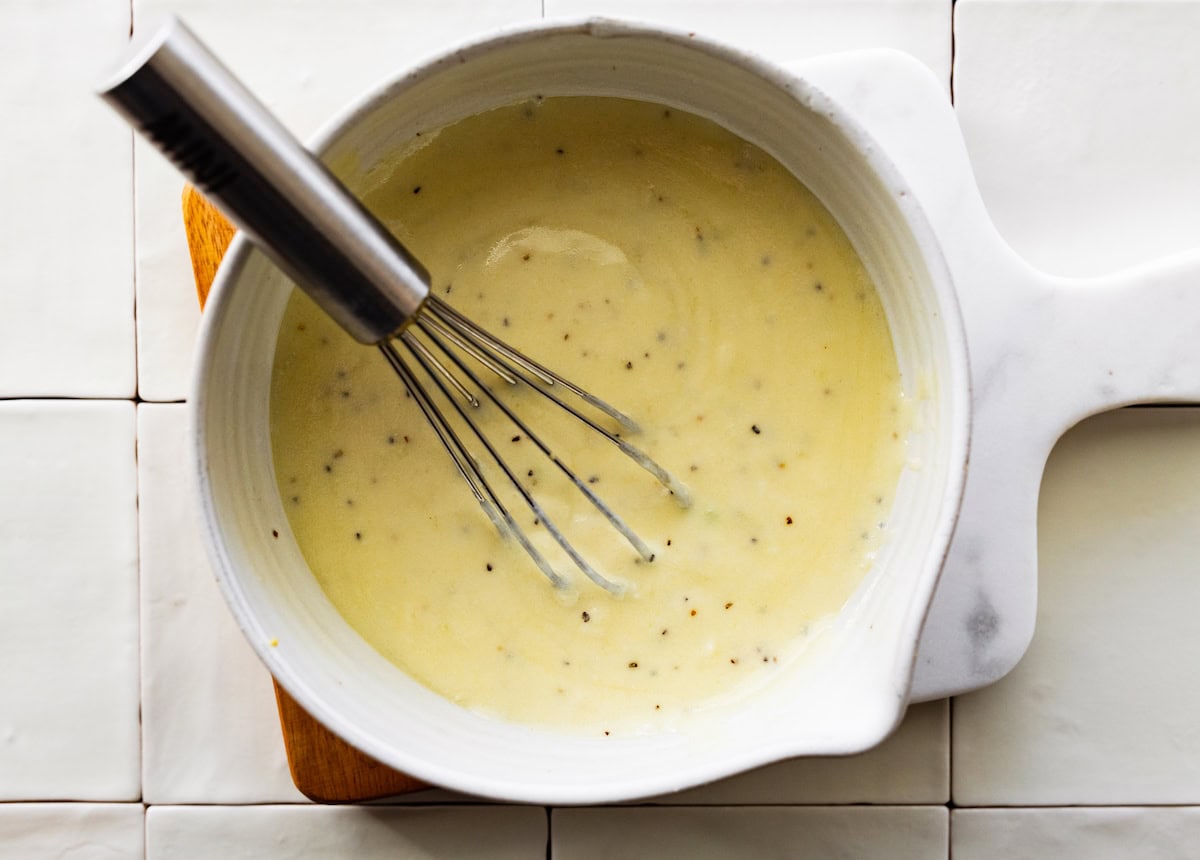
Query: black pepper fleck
{"points": [[274, 533], [756, 429], [586, 616], [417, 189]]}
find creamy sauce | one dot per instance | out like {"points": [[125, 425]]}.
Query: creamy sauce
{"points": [[686, 277]]}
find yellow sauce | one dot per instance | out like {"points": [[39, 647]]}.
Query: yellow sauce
{"points": [[683, 275]]}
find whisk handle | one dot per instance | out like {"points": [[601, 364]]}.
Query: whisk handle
{"points": [[180, 97]]}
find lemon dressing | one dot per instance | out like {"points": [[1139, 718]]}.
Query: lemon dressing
{"points": [[684, 276]]}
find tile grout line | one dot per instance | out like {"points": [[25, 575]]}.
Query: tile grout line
{"points": [[953, 48], [138, 467], [133, 248]]}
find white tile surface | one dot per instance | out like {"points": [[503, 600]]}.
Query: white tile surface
{"points": [[1081, 120], [68, 601], [316, 63], [209, 723], [826, 832], [362, 833], [786, 30], [66, 274], [1075, 834], [71, 831], [1103, 708], [1080, 116], [912, 766]]}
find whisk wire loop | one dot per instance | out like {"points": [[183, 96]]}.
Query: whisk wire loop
{"points": [[444, 372], [538, 511], [463, 461], [617, 522], [443, 312]]}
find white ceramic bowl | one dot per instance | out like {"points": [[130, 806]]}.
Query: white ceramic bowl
{"points": [[851, 689]]}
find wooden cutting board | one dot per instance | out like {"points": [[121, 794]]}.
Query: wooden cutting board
{"points": [[324, 767]]}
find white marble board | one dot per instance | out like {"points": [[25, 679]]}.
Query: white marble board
{"points": [[1045, 353]]}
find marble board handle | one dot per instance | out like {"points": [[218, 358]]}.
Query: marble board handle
{"points": [[1045, 352]]}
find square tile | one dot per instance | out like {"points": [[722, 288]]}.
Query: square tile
{"points": [[360, 832], [1102, 710], [1081, 120], [323, 61], [1075, 834], [71, 831], [857, 832], [66, 229], [68, 601], [210, 728], [912, 766], [785, 30]]}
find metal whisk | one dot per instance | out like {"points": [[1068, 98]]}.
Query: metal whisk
{"points": [[177, 94]]}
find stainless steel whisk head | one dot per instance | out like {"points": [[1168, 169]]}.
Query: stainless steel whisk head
{"points": [[176, 93], [439, 323]]}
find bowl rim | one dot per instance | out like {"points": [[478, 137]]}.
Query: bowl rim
{"points": [[959, 389]]}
